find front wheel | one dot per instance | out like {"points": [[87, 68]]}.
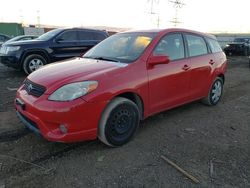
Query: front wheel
{"points": [[215, 93], [33, 62], [119, 122]]}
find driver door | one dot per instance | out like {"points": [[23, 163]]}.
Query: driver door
{"points": [[169, 83], [65, 45]]}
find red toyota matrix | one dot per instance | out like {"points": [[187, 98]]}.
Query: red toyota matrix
{"points": [[124, 79]]}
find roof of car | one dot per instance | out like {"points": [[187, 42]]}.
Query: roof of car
{"points": [[171, 30], [81, 28]]}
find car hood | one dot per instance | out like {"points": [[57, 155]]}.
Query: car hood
{"points": [[73, 70], [24, 42]]}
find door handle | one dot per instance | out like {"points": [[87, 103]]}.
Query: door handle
{"points": [[211, 62], [186, 67]]}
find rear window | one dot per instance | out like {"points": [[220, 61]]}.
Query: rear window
{"points": [[214, 45], [196, 45]]}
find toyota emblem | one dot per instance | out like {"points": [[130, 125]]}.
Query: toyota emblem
{"points": [[30, 87]]}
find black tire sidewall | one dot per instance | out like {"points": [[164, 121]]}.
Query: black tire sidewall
{"points": [[28, 59], [133, 126], [104, 132]]}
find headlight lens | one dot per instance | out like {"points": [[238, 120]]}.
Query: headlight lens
{"points": [[12, 48], [73, 91]]}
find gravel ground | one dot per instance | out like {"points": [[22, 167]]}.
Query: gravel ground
{"points": [[210, 143]]}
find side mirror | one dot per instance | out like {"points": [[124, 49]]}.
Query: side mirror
{"points": [[158, 59]]}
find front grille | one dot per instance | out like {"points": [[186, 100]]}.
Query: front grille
{"points": [[33, 88]]}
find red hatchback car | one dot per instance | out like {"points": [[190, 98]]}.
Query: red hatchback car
{"points": [[122, 80]]}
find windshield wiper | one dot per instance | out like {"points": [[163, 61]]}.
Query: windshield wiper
{"points": [[103, 58]]}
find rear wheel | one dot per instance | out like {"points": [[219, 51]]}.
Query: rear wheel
{"points": [[215, 93], [119, 122], [33, 62]]}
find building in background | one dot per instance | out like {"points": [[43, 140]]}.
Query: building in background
{"points": [[11, 29]]}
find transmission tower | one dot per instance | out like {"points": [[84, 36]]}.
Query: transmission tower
{"points": [[153, 12], [178, 4]]}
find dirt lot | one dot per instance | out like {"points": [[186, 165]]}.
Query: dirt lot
{"points": [[211, 143]]}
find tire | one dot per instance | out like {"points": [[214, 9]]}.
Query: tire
{"points": [[33, 62], [215, 93], [119, 122]]}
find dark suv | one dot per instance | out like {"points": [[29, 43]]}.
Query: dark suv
{"points": [[240, 46], [52, 46]]}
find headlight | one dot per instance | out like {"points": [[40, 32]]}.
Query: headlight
{"points": [[73, 91], [12, 48]]}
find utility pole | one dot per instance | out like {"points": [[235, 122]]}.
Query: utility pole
{"points": [[178, 4], [38, 18], [152, 11], [21, 16]]}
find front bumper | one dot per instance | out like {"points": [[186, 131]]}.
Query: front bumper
{"points": [[44, 117], [10, 61]]}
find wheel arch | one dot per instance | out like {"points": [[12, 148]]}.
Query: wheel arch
{"points": [[222, 76], [41, 52], [136, 99]]}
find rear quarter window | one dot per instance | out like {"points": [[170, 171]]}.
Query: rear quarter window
{"points": [[214, 45]]}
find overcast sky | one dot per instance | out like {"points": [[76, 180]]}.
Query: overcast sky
{"points": [[202, 15]]}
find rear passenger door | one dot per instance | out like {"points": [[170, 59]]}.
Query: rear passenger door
{"points": [[199, 59]]}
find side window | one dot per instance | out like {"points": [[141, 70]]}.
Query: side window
{"points": [[68, 36], [1, 38], [196, 45], [172, 46], [99, 36], [214, 45], [85, 35]]}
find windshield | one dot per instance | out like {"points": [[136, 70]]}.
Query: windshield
{"points": [[124, 47], [49, 35]]}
